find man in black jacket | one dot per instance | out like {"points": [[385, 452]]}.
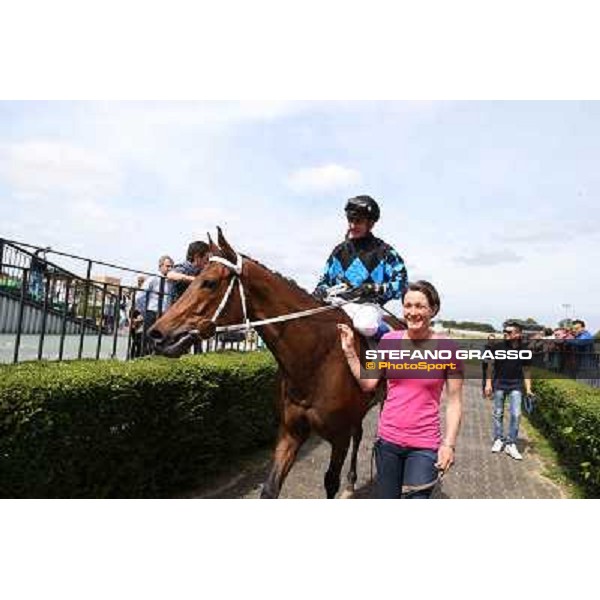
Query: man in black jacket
{"points": [[506, 378]]}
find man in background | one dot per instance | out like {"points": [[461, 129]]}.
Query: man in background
{"points": [[506, 379], [154, 298], [182, 274]]}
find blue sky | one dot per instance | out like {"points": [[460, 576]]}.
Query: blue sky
{"points": [[494, 202]]}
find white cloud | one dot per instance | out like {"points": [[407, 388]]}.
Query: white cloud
{"points": [[39, 168], [65, 195], [550, 232], [325, 178], [489, 258], [169, 115]]}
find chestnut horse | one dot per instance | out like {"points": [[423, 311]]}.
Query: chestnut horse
{"points": [[317, 390]]}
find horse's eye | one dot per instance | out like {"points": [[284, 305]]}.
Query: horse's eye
{"points": [[210, 284]]}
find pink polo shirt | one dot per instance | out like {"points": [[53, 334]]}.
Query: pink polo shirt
{"points": [[411, 412]]}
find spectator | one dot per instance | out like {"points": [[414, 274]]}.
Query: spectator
{"points": [[136, 327], [582, 345], [37, 269], [538, 347], [108, 321], [136, 318], [557, 356], [123, 309], [506, 378], [548, 341], [149, 301], [182, 274], [136, 299]]}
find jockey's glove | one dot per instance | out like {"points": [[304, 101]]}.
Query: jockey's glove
{"points": [[371, 290], [366, 291]]}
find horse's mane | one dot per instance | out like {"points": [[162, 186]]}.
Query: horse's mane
{"points": [[292, 282], [393, 320]]}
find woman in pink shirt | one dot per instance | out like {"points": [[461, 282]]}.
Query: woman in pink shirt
{"points": [[410, 451]]}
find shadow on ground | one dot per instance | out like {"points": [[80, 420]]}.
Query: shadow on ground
{"points": [[246, 477]]}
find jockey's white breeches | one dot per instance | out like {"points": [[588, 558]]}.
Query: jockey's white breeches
{"points": [[366, 318]]}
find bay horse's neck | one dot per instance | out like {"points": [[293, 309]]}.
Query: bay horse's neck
{"points": [[297, 344]]}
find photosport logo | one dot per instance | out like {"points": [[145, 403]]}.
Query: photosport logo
{"points": [[406, 360], [435, 358]]}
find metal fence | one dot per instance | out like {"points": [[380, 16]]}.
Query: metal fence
{"points": [[48, 311], [576, 361]]}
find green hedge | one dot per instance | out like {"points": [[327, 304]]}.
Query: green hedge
{"points": [[147, 428], [568, 413]]}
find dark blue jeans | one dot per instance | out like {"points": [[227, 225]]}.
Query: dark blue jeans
{"points": [[399, 466]]}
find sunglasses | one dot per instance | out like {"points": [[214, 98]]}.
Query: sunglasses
{"points": [[510, 331]]}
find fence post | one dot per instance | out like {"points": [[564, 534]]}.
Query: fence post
{"points": [[144, 341], [117, 320], [24, 286], [85, 307], [63, 328], [131, 336], [101, 322], [44, 315], [161, 296]]}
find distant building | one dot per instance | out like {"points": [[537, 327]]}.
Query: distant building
{"points": [[113, 282]]}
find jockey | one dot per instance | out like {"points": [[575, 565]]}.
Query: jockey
{"points": [[372, 271]]}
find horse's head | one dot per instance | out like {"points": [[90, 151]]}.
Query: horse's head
{"points": [[212, 295]]}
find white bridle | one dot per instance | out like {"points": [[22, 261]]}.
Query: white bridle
{"points": [[247, 324], [237, 271]]}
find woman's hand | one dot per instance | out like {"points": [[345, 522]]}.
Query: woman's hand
{"points": [[445, 458], [347, 343], [346, 338]]}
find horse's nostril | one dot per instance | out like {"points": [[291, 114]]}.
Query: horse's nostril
{"points": [[155, 335]]}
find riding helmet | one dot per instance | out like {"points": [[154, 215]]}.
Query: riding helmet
{"points": [[362, 207]]}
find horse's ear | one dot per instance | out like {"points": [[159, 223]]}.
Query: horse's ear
{"points": [[228, 251], [212, 247]]}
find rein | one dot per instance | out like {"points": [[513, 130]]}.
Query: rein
{"points": [[236, 270]]}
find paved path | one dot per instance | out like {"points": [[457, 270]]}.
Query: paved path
{"points": [[477, 473]]}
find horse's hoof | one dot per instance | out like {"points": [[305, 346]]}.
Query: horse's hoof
{"points": [[347, 494], [265, 494]]}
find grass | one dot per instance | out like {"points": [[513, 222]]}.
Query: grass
{"points": [[553, 469]]}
